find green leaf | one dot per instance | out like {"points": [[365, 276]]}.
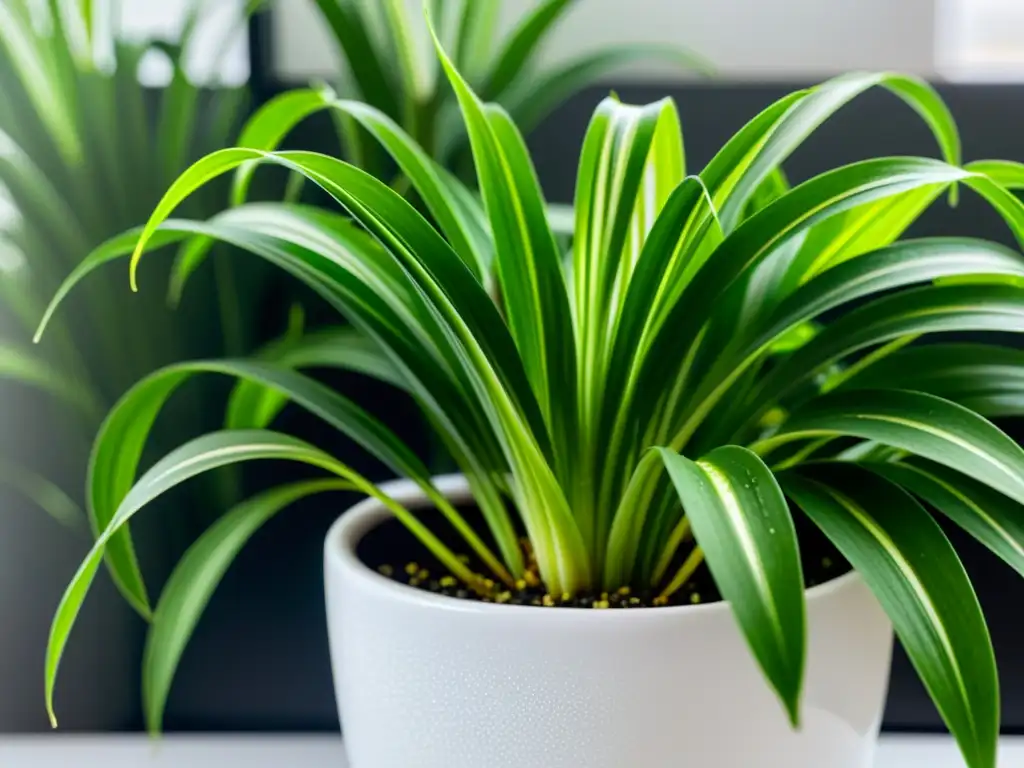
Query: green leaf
{"points": [[739, 255], [42, 78], [475, 337], [1006, 173], [179, 108], [253, 406], [521, 45], [913, 571], [475, 38], [527, 258], [924, 425], [627, 149], [415, 84], [119, 445], [458, 215], [27, 368], [194, 580], [990, 517], [410, 240], [271, 124], [896, 318], [462, 224], [44, 493], [365, 60], [824, 100], [206, 453], [897, 266], [115, 248], [532, 102], [986, 378], [741, 521]]}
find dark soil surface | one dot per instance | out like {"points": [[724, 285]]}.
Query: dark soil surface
{"points": [[392, 551]]}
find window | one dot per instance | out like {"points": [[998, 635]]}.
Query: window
{"points": [[980, 40]]}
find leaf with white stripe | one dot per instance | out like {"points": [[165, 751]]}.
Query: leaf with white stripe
{"points": [[989, 516], [741, 521], [924, 425], [206, 453], [914, 572]]}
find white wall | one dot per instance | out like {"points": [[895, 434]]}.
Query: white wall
{"points": [[219, 51], [749, 39]]}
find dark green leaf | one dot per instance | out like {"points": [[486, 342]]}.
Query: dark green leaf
{"points": [[916, 576], [922, 424], [521, 45], [990, 517], [741, 521], [194, 580]]}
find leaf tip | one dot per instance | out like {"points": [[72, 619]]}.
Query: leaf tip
{"points": [[793, 712]]}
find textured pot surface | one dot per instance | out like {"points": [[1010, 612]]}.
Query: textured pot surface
{"points": [[433, 682]]}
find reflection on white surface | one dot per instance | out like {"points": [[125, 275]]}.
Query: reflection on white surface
{"points": [[326, 752]]}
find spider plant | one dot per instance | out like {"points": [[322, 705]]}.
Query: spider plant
{"points": [[86, 152], [377, 43], [666, 394]]}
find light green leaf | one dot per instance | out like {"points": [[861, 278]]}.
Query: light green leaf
{"points": [[897, 266], [1006, 173], [526, 256], [521, 45], [44, 493], [119, 445], [27, 368], [751, 244], [807, 115], [458, 215], [475, 39]]}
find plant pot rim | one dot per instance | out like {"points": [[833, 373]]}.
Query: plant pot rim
{"points": [[350, 528]]}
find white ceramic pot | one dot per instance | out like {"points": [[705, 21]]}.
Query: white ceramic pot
{"points": [[426, 681]]}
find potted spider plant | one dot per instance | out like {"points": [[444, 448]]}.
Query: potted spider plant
{"points": [[690, 511]]}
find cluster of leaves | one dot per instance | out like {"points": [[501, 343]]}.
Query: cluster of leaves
{"points": [[85, 153], [386, 69], [650, 399]]}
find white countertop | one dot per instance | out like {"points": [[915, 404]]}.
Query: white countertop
{"points": [[325, 751]]}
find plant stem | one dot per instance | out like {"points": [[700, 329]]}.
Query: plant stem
{"points": [[685, 572], [679, 534]]}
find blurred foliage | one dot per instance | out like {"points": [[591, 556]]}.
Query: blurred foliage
{"points": [[85, 153]]}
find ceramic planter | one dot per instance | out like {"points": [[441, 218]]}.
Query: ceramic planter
{"points": [[434, 682]]}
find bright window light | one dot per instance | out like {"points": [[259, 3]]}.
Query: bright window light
{"points": [[980, 40], [219, 53]]}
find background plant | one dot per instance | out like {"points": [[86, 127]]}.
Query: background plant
{"points": [[386, 66], [650, 400], [85, 153]]}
